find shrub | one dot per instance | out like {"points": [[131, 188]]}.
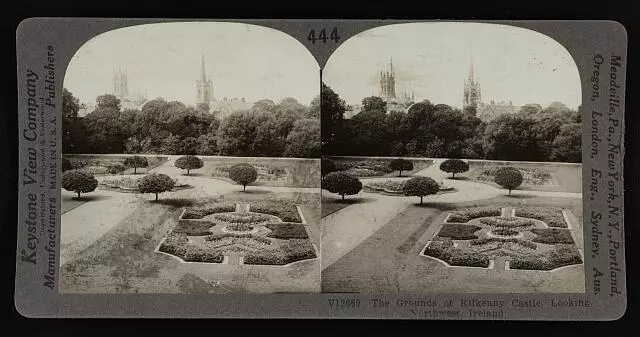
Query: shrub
{"points": [[420, 187], [507, 222], [189, 163], [79, 182], [115, 168], [287, 231], [202, 211], [454, 166], [243, 174], [242, 218], [327, 166], [155, 183], [459, 231], [465, 215], [341, 183], [401, 165], [508, 177], [240, 227], [286, 211], [561, 255], [551, 216], [135, 162], [552, 236], [66, 165]]}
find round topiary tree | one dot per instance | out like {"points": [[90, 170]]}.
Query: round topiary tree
{"points": [[342, 183], [508, 177], [401, 165], [454, 166], [66, 165], [79, 182], [135, 162], [243, 174], [327, 166], [189, 163], [420, 187], [155, 183]]}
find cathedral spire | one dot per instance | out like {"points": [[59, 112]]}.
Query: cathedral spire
{"points": [[471, 79], [203, 75], [391, 65]]}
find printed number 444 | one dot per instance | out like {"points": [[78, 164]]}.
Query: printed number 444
{"points": [[322, 36]]}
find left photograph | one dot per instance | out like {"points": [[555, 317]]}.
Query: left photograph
{"points": [[191, 162]]}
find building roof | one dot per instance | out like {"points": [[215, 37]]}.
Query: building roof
{"points": [[487, 112]]}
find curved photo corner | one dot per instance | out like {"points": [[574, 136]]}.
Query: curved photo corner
{"points": [[195, 141], [457, 142]]}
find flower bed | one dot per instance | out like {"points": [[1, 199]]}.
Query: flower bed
{"points": [[291, 251], [265, 173], [217, 237], [242, 218], [287, 231], [561, 255], [507, 222], [193, 227], [552, 236], [389, 186], [127, 184], [202, 211], [505, 232], [551, 216], [459, 231], [530, 175], [444, 250], [286, 211], [240, 227], [178, 245], [464, 215], [523, 243]]}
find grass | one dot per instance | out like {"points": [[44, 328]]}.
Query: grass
{"points": [[459, 231], [552, 236], [550, 215], [287, 231]]}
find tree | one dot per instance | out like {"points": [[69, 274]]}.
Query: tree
{"points": [[155, 183], [243, 174], [454, 166], [332, 111], [70, 108], [304, 139], [107, 102], [327, 166], [567, 146], [66, 165], [401, 165], [135, 162], [342, 183], [250, 133], [508, 177], [132, 145], [189, 163], [79, 182], [420, 187], [374, 104]]}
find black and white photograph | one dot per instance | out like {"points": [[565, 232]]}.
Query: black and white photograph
{"points": [[191, 162], [451, 162]]}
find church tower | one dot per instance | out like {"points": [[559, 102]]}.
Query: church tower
{"points": [[120, 85], [471, 97], [204, 87], [388, 83]]}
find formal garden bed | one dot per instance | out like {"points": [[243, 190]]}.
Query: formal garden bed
{"points": [[394, 186], [479, 235], [366, 168], [130, 184], [265, 235], [552, 216], [531, 175], [110, 165]]}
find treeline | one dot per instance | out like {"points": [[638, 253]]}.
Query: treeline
{"points": [[440, 131], [284, 129]]}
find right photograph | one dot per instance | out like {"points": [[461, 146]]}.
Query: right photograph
{"points": [[451, 162]]}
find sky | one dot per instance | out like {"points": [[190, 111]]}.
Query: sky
{"points": [[164, 59], [433, 60]]}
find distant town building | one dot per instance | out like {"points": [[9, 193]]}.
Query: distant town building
{"points": [[121, 91], [472, 95], [221, 107], [395, 102], [487, 112]]}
